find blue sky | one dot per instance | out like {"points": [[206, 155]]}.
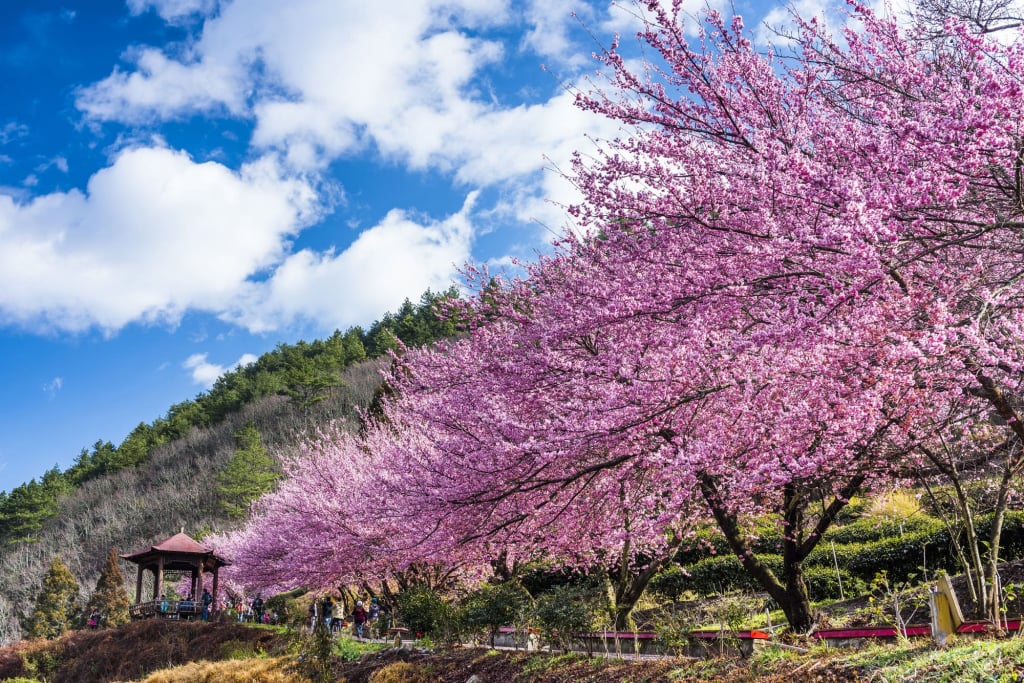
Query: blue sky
{"points": [[186, 183]]}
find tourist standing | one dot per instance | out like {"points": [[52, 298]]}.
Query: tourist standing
{"points": [[359, 616], [257, 610], [207, 600], [373, 614]]}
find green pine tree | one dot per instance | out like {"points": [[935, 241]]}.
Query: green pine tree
{"points": [[251, 473], [110, 599], [56, 604], [27, 507]]}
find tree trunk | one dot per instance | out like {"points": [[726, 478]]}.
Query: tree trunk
{"points": [[792, 596], [628, 586], [979, 585], [994, 605], [796, 603], [1014, 463]]}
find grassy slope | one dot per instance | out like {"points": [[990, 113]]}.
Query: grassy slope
{"points": [[969, 661], [168, 652]]}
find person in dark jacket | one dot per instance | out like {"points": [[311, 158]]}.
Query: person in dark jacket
{"points": [[207, 600], [359, 616]]}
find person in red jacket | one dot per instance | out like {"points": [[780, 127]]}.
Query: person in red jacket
{"points": [[359, 616]]}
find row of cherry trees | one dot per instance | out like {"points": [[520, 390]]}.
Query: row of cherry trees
{"points": [[793, 275]]}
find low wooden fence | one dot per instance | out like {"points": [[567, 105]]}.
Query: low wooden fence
{"points": [[166, 609]]}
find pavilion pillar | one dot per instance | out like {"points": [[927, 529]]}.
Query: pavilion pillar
{"points": [[158, 585], [138, 585], [216, 575]]}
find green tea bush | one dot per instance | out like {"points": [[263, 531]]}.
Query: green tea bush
{"points": [[565, 611], [671, 583], [871, 529], [824, 584], [538, 577], [863, 549], [286, 606], [725, 574], [423, 611], [495, 605], [900, 556], [707, 543]]}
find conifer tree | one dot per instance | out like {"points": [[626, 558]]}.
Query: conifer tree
{"points": [[251, 473], [56, 604], [110, 598]]}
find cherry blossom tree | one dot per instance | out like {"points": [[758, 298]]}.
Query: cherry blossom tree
{"points": [[785, 262], [856, 198], [481, 476], [327, 525], [576, 412], [786, 268]]}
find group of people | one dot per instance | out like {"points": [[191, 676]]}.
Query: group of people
{"points": [[255, 611], [186, 607], [364, 618]]}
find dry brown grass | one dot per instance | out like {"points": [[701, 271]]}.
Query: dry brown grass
{"points": [[894, 505], [134, 650], [258, 670], [404, 672]]}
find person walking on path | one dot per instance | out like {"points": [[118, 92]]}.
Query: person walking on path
{"points": [[312, 613], [257, 609], [327, 610], [372, 615], [207, 601], [359, 616]]}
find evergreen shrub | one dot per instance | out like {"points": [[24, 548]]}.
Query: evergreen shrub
{"points": [[863, 549]]}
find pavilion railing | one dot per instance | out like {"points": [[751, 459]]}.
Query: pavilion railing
{"points": [[167, 609]]}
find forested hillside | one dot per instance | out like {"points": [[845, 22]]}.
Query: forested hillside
{"points": [[189, 468]]}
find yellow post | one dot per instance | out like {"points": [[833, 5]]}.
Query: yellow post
{"points": [[955, 613], [946, 613]]}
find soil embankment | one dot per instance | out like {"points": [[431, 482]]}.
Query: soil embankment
{"points": [[134, 650]]}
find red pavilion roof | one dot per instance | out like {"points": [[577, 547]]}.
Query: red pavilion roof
{"points": [[178, 544]]}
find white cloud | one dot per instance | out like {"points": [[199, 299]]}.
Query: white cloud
{"points": [[375, 273], [174, 10], [319, 80], [164, 88], [12, 130], [154, 235], [778, 23], [53, 386], [550, 27], [58, 162], [325, 79], [206, 373], [627, 19]]}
